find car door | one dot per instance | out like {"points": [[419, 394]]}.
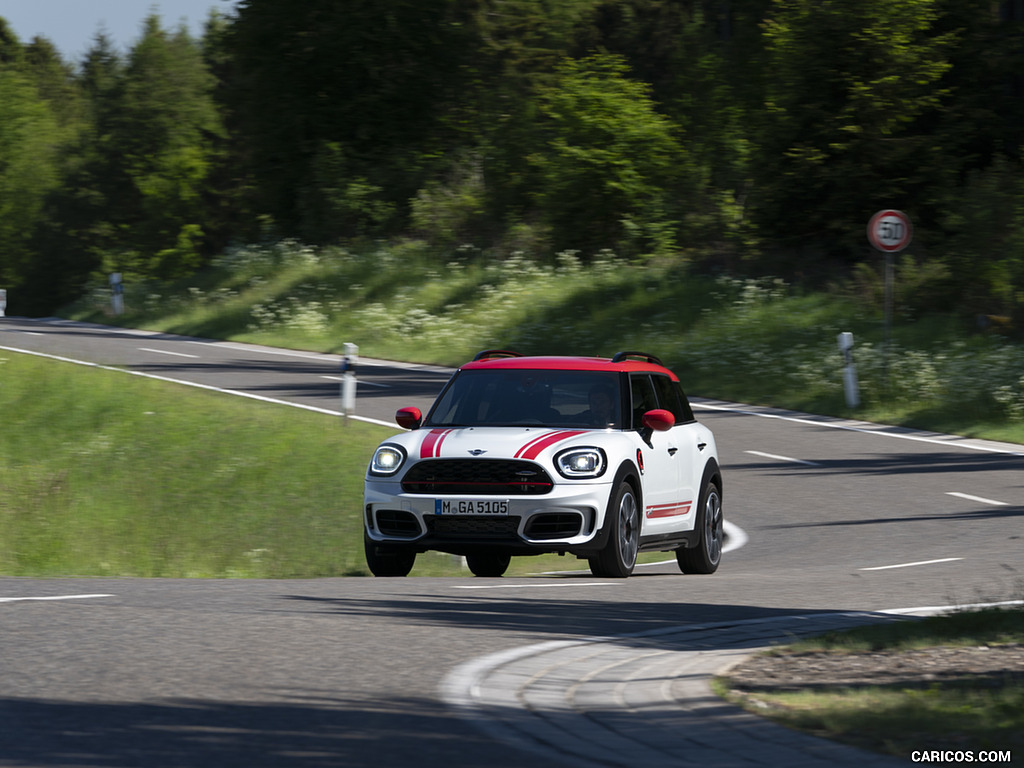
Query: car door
{"points": [[672, 506], [657, 458]]}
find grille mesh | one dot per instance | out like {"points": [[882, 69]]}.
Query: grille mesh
{"points": [[487, 477], [474, 527]]}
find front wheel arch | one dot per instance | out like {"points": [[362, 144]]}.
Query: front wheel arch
{"points": [[706, 555], [624, 520]]}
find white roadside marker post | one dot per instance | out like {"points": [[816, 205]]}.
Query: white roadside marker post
{"points": [[850, 386], [348, 380], [117, 293]]}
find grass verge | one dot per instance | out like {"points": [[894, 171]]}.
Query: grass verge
{"points": [[757, 341], [935, 712], [107, 474]]}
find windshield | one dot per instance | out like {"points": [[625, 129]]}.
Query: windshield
{"points": [[532, 398]]}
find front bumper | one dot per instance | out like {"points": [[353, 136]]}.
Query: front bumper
{"points": [[569, 518]]}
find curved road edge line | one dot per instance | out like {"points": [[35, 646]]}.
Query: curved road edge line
{"points": [[207, 387]]}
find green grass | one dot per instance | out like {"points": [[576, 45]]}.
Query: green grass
{"points": [[965, 628], [964, 714], [756, 341], [108, 474]]}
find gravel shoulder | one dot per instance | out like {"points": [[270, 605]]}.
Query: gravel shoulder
{"points": [[993, 665]]}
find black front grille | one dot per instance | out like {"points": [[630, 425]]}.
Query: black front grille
{"points": [[474, 527], [487, 477], [555, 525]]}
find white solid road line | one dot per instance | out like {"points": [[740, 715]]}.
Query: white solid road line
{"points": [[541, 585], [866, 428], [784, 458], [911, 565], [196, 385], [54, 597], [168, 352], [735, 537], [979, 499]]}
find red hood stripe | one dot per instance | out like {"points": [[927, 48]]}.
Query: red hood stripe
{"points": [[534, 448], [431, 446]]}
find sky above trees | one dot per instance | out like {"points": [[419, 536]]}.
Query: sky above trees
{"points": [[72, 25]]}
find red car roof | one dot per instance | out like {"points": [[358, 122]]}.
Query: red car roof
{"points": [[568, 364]]}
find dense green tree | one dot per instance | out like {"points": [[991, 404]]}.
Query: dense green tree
{"points": [[703, 60], [362, 80], [55, 81], [136, 196], [11, 49], [517, 47], [851, 90], [612, 171], [37, 119], [80, 213], [728, 127], [29, 145], [160, 144], [136, 199]]}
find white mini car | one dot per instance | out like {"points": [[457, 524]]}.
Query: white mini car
{"points": [[591, 457]]}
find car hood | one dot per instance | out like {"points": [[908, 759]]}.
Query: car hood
{"points": [[526, 443]]}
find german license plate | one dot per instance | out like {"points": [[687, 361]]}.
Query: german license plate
{"points": [[470, 507]]}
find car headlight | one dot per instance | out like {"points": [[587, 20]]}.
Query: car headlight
{"points": [[387, 460], [577, 463]]}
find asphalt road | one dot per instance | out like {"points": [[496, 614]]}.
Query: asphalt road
{"points": [[840, 516]]}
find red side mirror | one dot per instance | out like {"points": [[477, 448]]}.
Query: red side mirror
{"points": [[409, 418], [659, 420]]}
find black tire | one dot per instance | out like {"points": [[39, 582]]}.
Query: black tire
{"points": [[488, 565], [705, 557], [383, 560], [618, 558]]}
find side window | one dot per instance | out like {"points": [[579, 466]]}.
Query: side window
{"points": [[671, 398], [643, 397], [686, 411]]}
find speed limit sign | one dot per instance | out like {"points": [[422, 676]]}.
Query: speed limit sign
{"points": [[890, 231]]}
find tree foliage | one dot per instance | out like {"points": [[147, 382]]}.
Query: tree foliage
{"points": [[734, 133], [850, 94], [611, 170]]}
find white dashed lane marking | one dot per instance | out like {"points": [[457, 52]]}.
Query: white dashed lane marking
{"points": [[53, 597], [979, 499], [783, 458], [168, 352], [911, 565]]}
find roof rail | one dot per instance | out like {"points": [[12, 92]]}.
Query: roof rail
{"points": [[489, 354], [620, 356]]}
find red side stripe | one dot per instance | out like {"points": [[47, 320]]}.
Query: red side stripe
{"points": [[533, 448], [669, 510], [431, 447]]}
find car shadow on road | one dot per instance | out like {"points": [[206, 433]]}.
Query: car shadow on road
{"points": [[574, 618], [320, 730]]}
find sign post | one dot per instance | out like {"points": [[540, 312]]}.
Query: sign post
{"points": [[889, 231]]}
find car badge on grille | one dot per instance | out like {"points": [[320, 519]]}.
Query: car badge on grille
{"points": [[477, 452], [526, 473]]}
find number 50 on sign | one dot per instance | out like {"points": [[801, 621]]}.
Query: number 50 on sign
{"points": [[890, 231]]}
